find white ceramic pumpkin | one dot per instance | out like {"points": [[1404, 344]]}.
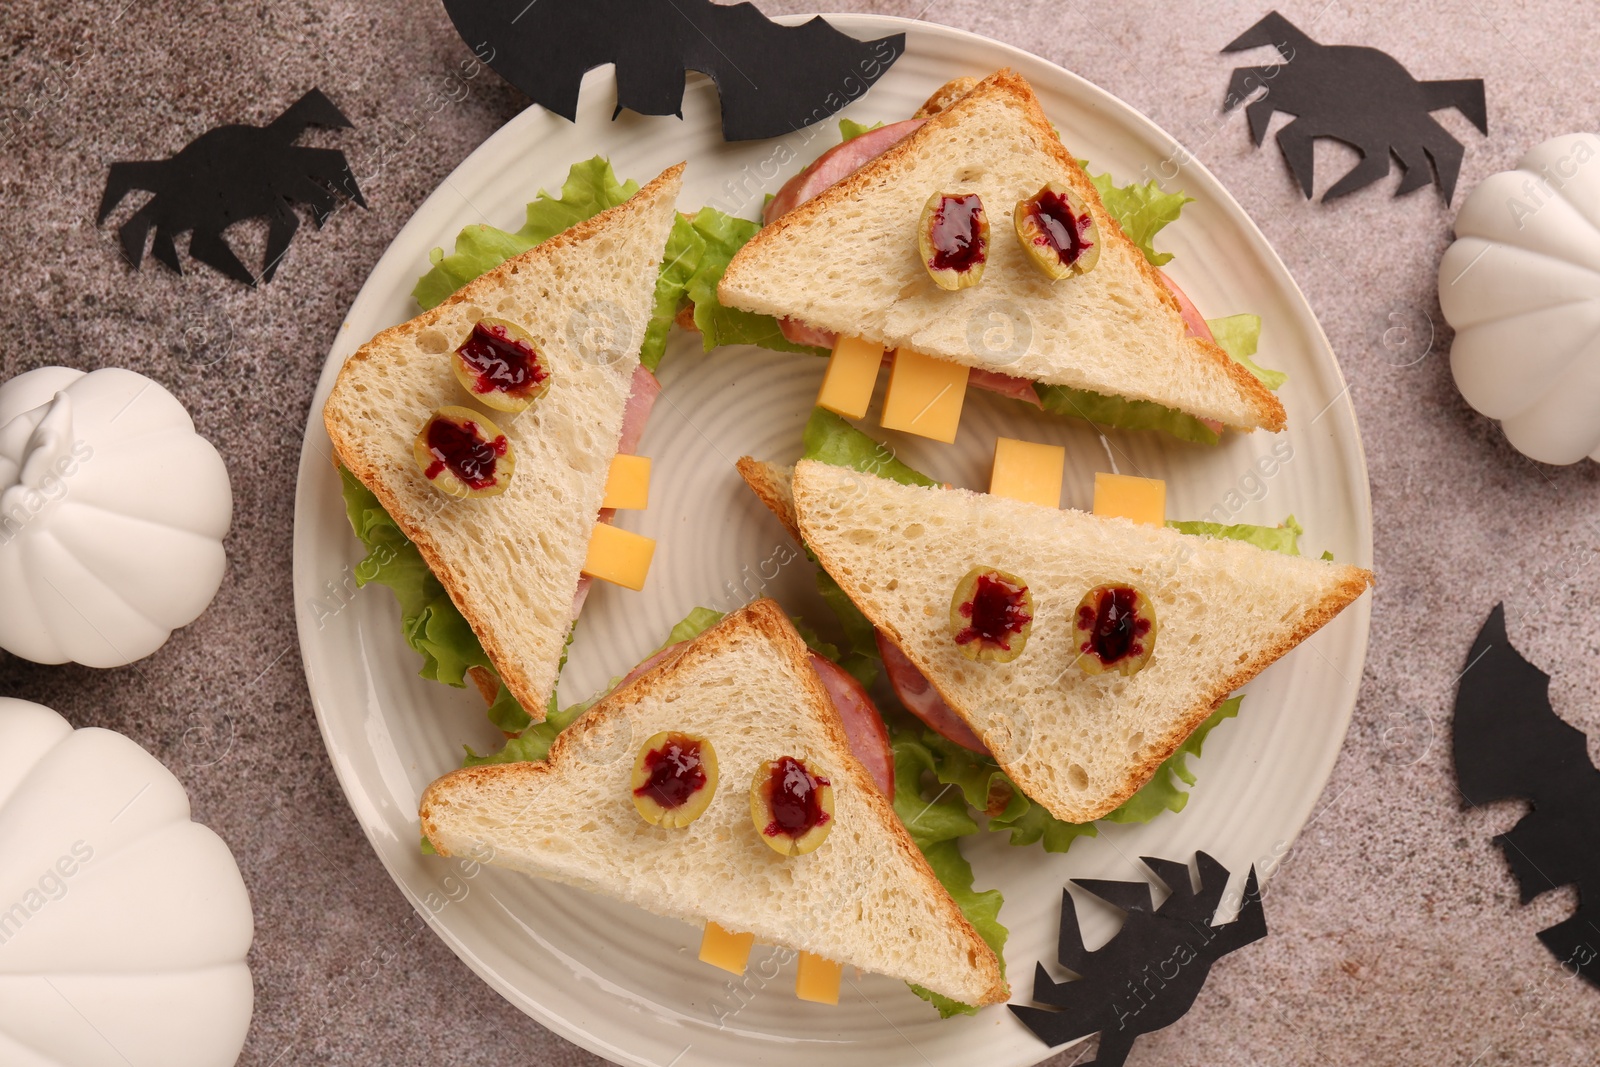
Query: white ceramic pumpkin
{"points": [[112, 513], [123, 925], [1521, 286]]}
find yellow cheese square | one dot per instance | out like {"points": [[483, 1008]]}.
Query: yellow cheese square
{"points": [[1028, 472], [852, 374], [618, 556], [628, 483], [722, 949], [1124, 496], [925, 396], [817, 980]]}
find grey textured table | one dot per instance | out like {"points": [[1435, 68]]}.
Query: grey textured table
{"points": [[1396, 932]]}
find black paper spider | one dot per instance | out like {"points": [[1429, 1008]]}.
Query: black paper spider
{"points": [[1360, 96], [231, 173], [1148, 975]]}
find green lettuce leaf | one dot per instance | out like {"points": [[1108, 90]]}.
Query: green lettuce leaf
{"points": [[1285, 537], [850, 129], [590, 188], [1161, 792], [685, 249], [934, 824], [1238, 335], [830, 439], [1123, 413], [697, 622], [1142, 210], [432, 624], [721, 236]]}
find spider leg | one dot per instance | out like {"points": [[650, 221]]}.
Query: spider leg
{"points": [[315, 196], [1259, 113], [164, 250], [330, 165], [1418, 170], [1295, 140], [1446, 153], [1373, 167], [131, 236], [281, 231], [211, 248], [1243, 85], [123, 178]]}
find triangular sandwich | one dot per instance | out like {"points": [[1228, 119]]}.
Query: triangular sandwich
{"points": [[511, 562], [848, 262], [1077, 741], [865, 896]]}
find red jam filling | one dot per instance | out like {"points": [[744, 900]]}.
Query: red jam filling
{"points": [[1059, 228], [676, 773], [463, 449], [500, 362], [1115, 628], [954, 235], [795, 797], [997, 612]]}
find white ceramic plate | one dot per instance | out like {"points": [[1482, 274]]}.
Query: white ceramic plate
{"points": [[624, 983]]}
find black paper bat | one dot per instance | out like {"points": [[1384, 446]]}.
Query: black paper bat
{"points": [[1148, 975], [1508, 743], [231, 173], [1360, 96], [773, 79]]}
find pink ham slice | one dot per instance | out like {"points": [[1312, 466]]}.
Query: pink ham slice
{"points": [[923, 700], [836, 164], [1196, 325], [1004, 384], [1192, 318], [798, 333], [637, 412], [863, 726], [651, 661]]}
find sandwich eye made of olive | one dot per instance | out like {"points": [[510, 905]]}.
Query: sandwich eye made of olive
{"points": [[791, 805], [991, 615], [1057, 230], [500, 366], [674, 778], [953, 239], [1114, 629], [463, 454]]}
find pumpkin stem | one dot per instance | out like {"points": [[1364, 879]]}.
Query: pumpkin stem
{"points": [[33, 477]]}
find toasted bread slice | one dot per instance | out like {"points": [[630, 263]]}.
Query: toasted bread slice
{"points": [[511, 562], [1078, 743], [847, 261], [865, 897]]}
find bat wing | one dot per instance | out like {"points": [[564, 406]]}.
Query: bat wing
{"points": [[1508, 741], [773, 79]]}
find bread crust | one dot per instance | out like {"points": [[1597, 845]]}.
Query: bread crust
{"points": [[765, 618], [345, 433], [952, 112], [1352, 582], [774, 486]]}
